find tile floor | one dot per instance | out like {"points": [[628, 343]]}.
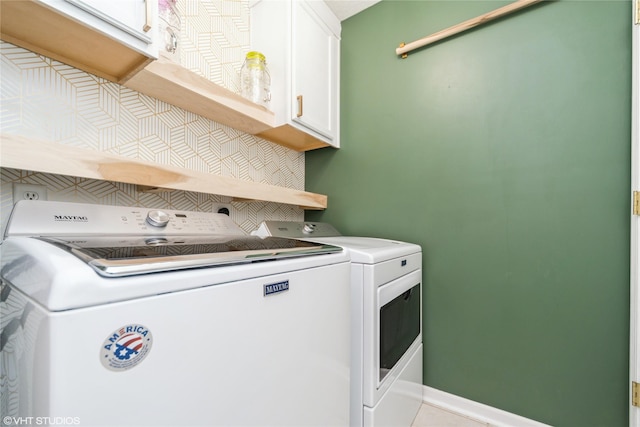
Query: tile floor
{"points": [[432, 416]]}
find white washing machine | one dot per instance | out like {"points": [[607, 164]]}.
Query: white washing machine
{"points": [[386, 327], [122, 316]]}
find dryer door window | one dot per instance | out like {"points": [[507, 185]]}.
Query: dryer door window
{"points": [[399, 327]]}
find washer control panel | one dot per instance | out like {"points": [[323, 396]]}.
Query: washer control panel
{"points": [[46, 218]]}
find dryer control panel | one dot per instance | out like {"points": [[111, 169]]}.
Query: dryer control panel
{"points": [[296, 229]]}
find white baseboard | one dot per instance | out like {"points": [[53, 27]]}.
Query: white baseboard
{"points": [[478, 411]]}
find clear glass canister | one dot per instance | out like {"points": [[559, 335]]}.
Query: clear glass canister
{"points": [[169, 27], [255, 80]]}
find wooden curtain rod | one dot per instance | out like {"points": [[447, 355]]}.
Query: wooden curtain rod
{"points": [[463, 26]]}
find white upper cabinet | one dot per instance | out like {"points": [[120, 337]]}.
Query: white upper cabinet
{"points": [[301, 42], [315, 70], [111, 39], [129, 21]]}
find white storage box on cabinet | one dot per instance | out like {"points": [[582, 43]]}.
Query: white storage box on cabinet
{"points": [[301, 42], [111, 39]]}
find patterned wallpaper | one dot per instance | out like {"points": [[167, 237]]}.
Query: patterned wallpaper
{"points": [[43, 98]]}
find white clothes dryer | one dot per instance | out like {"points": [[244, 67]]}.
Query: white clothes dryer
{"points": [[386, 325]]}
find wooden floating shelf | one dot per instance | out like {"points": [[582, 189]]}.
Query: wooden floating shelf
{"points": [[172, 83], [40, 156], [176, 85]]}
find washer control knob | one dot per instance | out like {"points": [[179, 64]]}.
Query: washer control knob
{"points": [[308, 228], [158, 218], [156, 241]]}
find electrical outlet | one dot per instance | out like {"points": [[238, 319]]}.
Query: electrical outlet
{"points": [[223, 208], [29, 192]]}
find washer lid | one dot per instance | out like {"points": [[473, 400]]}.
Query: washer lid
{"points": [[124, 256]]}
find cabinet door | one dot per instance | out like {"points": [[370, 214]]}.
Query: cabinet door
{"points": [[128, 21], [315, 72], [127, 15]]}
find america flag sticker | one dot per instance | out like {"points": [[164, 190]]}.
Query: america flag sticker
{"points": [[126, 347]]}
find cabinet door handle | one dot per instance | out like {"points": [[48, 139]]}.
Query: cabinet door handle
{"points": [[147, 19], [299, 106]]}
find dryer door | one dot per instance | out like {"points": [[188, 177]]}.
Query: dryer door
{"points": [[392, 332]]}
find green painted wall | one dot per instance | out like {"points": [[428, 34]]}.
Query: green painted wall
{"points": [[505, 152]]}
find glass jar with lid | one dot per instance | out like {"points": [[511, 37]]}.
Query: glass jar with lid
{"points": [[255, 81]]}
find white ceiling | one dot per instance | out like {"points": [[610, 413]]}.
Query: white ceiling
{"points": [[347, 8]]}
